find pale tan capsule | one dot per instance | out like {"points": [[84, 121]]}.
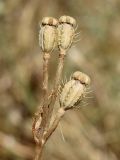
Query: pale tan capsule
{"points": [[48, 34], [82, 77], [72, 92], [66, 32]]}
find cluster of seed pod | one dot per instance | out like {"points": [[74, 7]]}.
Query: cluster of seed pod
{"points": [[74, 90], [61, 33], [56, 32]]}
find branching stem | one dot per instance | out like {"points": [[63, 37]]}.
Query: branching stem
{"points": [[55, 123], [39, 149], [43, 114], [57, 83], [46, 57]]}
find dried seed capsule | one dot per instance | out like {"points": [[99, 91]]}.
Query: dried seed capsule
{"points": [[66, 32], [82, 77], [73, 92], [48, 34]]}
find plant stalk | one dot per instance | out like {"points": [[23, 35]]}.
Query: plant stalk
{"points": [[57, 83], [38, 154]]}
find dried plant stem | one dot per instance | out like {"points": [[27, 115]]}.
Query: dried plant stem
{"points": [[57, 83], [55, 123], [39, 149], [46, 57], [47, 110], [59, 69], [39, 145]]}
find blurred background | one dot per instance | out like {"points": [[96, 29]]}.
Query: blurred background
{"points": [[91, 132]]}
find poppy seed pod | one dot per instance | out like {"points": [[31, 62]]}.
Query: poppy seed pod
{"points": [[48, 34], [66, 31], [74, 90]]}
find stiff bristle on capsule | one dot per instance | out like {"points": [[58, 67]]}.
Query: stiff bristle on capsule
{"points": [[49, 21], [82, 77], [68, 20]]}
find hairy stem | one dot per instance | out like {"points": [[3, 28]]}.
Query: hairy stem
{"points": [[48, 108], [39, 149], [57, 83], [42, 114], [55, 123], [46, 57], [59, 70]]}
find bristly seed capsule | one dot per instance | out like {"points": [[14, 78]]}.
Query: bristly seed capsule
{"points": [[66, 31], [48, 34], [74, 90]]}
